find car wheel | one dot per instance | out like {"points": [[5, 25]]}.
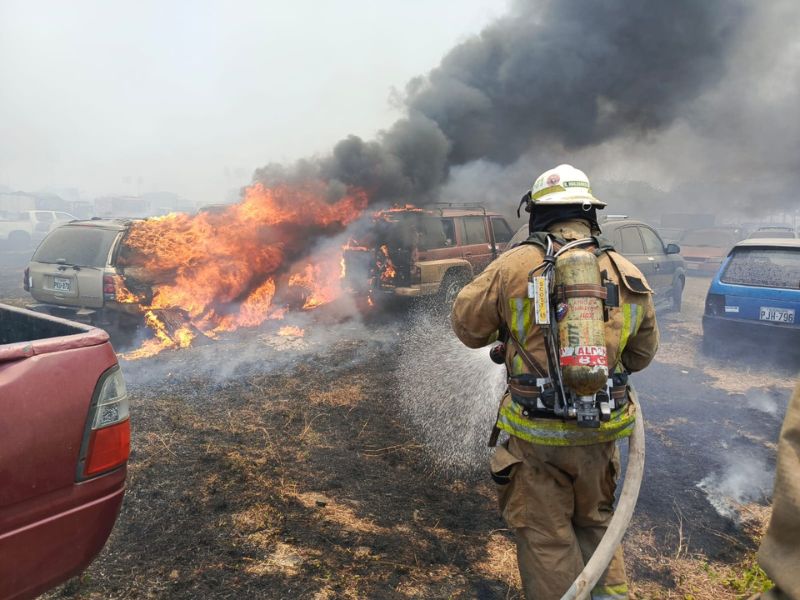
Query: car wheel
{"points": [[677, 296], [19, 240], [451, 286]]}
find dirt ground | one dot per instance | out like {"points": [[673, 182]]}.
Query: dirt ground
{"points": [[296, 476]]}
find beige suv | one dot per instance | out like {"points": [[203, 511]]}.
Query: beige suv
{"points": [[72, 274], [411, 252]]}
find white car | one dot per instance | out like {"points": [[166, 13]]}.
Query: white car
{"points": [[20, 229]]}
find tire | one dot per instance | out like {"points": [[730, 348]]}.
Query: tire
{"points": [[19, 240], [451, 286], [677, 295]]}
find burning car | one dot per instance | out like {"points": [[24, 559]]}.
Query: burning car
{"points": [[757, 289], [410, 252], [74, 274], [194, 277]]}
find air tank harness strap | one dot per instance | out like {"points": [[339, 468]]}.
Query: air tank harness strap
{"points": [[531, 391], [581, 290]]}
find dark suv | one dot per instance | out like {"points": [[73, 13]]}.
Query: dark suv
{"points": [[660, 263]]}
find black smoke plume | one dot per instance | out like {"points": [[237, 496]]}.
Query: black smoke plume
{"points": [[571, 72]]}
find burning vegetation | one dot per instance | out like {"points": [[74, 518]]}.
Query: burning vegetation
{"points": [[210, 273]]}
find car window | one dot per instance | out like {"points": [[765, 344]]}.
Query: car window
{"points": [[501, 230], [62, 216], [82, 246], [767, 267], [449, 227], [474, 230], [652, 243], [519, 237], [12, 215], [432, 233], [44, 217], [631, 242]]}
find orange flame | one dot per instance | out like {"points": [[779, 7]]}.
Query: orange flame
{"points": [[388, 271], [226, 269], [291, 331]]}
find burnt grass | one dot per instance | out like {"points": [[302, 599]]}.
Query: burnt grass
{"points": [[293, 474], [298, 484]]}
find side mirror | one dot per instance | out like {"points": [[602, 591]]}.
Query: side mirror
{"points": [[673, 249]]}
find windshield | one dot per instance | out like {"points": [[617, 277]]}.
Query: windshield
{"points": [[714, 238], [519, 237], [767, 267], [81, 246]]}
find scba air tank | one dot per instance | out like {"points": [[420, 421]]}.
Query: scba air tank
{"points": [[581, 327]]}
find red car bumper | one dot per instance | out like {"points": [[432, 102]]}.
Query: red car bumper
{"points": [[48, 550]]}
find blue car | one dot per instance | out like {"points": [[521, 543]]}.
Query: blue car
{"points": [[755, 291]]}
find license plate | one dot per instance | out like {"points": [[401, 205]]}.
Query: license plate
{"points": [[692, 266], [779, 315], [62, 284]]}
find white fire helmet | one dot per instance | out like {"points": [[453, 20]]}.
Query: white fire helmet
{"points": [[564, 185]]}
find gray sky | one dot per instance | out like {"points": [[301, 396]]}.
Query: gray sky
{"points": [[191, 97]]}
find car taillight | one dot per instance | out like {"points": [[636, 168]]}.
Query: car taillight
{"points": [[107, 440], [26, 279], [715, 304], [109, 287]]}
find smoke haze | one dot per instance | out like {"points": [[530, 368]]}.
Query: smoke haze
{"points": [[698, 98]]}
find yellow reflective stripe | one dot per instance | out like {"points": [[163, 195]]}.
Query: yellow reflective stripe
{"points": [[520, 323], [632, 317], [556, 432], [517, 366], [548, 190], [626, 327], [610, 592], [562, 187]]}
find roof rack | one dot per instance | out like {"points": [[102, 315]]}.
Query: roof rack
{"points": [[464, 205]]}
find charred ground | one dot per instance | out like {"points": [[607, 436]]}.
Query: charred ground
{"points": [[274, 467]]}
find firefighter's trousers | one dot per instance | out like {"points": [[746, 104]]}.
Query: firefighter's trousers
{"points": [[558, 501]]}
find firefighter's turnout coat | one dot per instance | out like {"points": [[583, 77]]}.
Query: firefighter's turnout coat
{"points": [[779, 554], [499, 297], [555, 480]]}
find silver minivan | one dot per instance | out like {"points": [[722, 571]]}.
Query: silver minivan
{"points": [[72, 274]]}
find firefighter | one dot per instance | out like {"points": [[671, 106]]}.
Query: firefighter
{"points": [[779, 554], [556, 474]]}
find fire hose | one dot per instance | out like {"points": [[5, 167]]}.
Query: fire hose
{"points": [[594, 569]]}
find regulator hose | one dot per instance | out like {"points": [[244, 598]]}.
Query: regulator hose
{"points": [[594, 569]]}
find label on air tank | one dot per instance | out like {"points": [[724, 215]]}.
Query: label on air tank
{"points": [[537, 290], [580, 356]]}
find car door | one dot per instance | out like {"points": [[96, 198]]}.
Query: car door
{"points": [[501, 233], [475, 245], [663, 264], [632, 248]]}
